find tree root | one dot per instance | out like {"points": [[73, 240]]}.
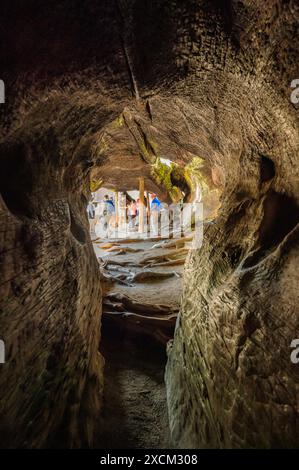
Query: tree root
{"points": [[135, 240], [161, 330], [109, 246], [172, 255], [121, 278], [107, 262], [149, 275], [177, 243], [126, 249], [132, 305], [176, 262], [157, 321]]}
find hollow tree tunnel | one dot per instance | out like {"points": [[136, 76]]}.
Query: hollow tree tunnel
{"points": [[102, 91]]}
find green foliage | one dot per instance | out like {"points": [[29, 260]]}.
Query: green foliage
{"points": [[190, 175], [118, 122], [194, 173], [162, 174], [95, 185]]}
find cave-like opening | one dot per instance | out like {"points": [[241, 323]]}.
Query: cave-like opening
{"points": [[141, 243]]}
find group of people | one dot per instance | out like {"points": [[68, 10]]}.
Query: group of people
{"points": [[135, 208], [102, 215]]}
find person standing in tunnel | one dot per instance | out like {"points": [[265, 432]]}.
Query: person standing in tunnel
{"points": [[91, 216], [155, 208], [132, 213], [108, 214]]}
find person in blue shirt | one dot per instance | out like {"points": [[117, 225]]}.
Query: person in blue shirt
{"points": [[108, 214], [155, 204], [155, 208], [109, 205]]}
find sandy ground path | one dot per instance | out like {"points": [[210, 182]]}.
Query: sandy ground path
{"points": [[135, 411]]}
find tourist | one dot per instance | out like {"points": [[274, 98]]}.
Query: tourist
{"points": [[132, 213], [155, 208], [91, 216], [107, 216]]}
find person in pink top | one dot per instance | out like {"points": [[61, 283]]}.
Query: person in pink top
{"points": [[132, 212]]}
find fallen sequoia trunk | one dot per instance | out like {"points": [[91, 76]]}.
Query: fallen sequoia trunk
{"points": [[130, 316], [204, 81]]}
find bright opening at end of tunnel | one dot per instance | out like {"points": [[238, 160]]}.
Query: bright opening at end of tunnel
{"points": [[141, 247], [121, 215]]}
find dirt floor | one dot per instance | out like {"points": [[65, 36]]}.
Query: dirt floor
{"points": [[135, 411]]}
